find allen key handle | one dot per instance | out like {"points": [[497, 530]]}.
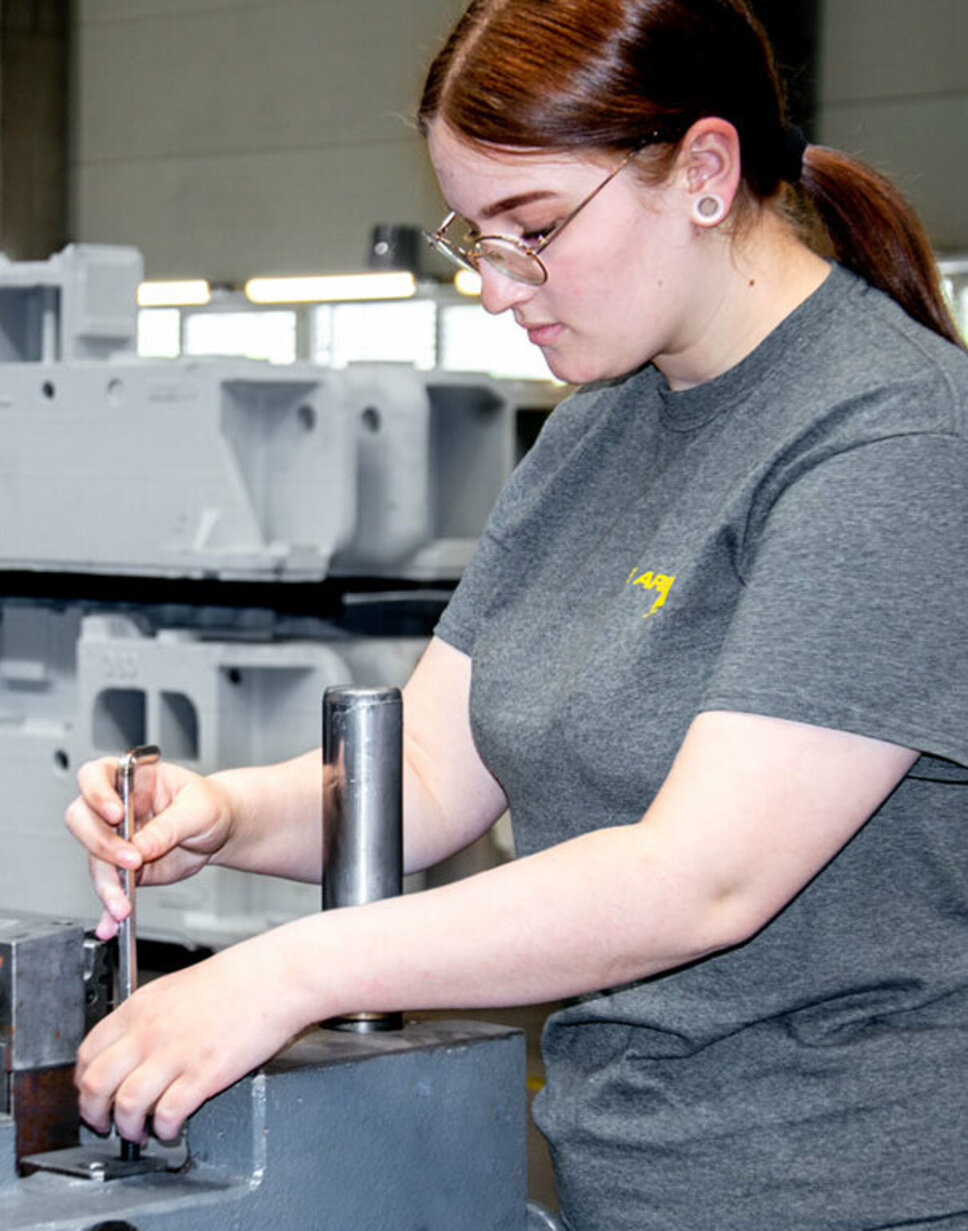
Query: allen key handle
{"points": [[147, 754]]}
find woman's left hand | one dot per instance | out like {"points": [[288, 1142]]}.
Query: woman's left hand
{"points": [[182, 1038]]}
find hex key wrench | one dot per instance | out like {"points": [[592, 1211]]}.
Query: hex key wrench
{"points": [[147, 754]]}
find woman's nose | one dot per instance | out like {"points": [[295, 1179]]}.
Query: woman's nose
{"points": [[499, 292]]}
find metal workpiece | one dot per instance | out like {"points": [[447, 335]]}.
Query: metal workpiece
{"points": [[41, 990], [424, 1128], [362, 809], [363, 795], [42, 1007]]}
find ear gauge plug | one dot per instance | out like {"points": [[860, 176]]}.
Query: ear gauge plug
{"points": [[708, 210]]}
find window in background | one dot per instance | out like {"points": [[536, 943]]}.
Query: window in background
{"points": [[961, 307], [382, 332], [472, 341], [954, 281], [248, 334], [159, 333]]}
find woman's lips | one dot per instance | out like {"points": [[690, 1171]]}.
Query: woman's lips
{"points": [[543, 335]]}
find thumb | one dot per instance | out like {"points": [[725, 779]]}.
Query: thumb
{"points": [[176, 824]]}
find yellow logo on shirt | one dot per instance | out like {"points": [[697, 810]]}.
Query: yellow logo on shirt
{"points": [[651, 581]]}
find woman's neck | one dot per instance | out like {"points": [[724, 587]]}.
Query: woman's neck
{"points": [[755, 283]]}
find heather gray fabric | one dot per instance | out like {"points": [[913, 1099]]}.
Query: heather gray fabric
{"points": [[788, 539]]}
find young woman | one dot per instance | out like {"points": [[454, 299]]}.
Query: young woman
{"points": [[710, 652]]}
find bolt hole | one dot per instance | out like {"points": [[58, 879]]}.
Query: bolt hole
{"points": [[62, 760], [371, 419], [47, 389], [306, 415], [235, 676]]}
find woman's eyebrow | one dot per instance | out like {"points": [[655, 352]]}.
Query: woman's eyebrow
{"points": [[508, 203]]}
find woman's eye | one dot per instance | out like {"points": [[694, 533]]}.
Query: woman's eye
{"points": [[533, 237]]}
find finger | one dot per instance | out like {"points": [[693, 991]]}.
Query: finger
{"points": [[107, 886], [98, 782], [138, 1095], [101, 1067], [101, 841], [182, 1097], [107, 926]]}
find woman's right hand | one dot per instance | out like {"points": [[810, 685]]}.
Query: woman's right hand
{"points": [[181, 820]]}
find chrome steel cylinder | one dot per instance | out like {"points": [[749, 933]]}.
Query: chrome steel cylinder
{"points": [[362, 808]]}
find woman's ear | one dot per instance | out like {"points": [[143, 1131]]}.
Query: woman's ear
{"points": [[710, 169]]}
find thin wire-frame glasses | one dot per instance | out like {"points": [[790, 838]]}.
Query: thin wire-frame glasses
{"points": [[509, 255]]}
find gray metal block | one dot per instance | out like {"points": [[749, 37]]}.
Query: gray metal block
{"points": [[78, 304], [225, 469], [41, 991], [420, 1130]]}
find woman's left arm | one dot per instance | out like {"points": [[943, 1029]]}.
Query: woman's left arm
{"points": [[751, 811]]}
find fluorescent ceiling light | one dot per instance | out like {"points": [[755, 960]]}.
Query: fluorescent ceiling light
{"points": [[467, 282], [330, 288], [171, 294]]}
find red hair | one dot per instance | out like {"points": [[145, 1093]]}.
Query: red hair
{"points": [[615, 75]]}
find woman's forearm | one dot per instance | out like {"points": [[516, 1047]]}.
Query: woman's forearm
{"points": [[276, 825], [753, 808], [277, 828], [571, 919]]}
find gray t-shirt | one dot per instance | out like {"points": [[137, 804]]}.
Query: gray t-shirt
{"points": [[787, 539]]}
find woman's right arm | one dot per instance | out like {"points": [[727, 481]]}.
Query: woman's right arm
{"points": [[267, 819]]}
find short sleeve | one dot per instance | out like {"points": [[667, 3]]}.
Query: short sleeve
{"points": [[493, 571], [461, 618], [854, 609]]}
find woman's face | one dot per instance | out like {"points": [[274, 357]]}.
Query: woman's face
{"points": [[622, 276]]}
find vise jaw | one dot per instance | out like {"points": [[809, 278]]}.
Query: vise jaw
{"points": [[46, 970]]}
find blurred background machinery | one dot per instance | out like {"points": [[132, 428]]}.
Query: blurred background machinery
{"points": [[191, 550]]}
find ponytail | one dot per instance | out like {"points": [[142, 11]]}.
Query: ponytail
{"points": [[873, 231]]}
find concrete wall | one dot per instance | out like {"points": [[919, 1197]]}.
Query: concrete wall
{"points": [[236, 137], [34, 55], [893, 89]]}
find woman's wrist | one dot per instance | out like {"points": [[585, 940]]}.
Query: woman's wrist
{"points": [[231, 809]]}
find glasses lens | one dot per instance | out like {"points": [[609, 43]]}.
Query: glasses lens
{"points": [[450, 250], [513, 262]]}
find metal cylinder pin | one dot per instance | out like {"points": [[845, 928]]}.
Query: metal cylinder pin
{"points": [[362, 810]]}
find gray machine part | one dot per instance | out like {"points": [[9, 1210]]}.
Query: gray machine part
{"points": [[291, 472], [417, 1130]]}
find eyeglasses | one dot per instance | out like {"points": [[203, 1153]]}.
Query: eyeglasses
{"points": [[510, 256]]}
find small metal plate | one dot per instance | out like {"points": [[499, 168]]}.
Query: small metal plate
{"points": [[99, 1162]]}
